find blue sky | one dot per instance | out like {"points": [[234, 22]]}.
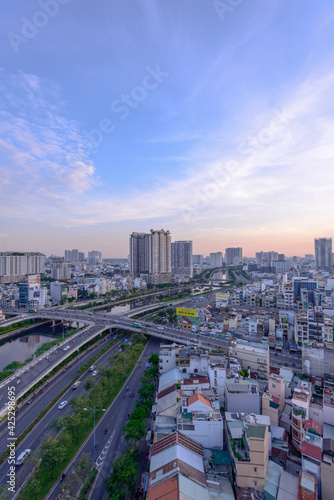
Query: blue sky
{"points": [[214, 122]]}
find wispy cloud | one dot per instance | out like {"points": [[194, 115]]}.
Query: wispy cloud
{"points": [[273, 183], [36, 139]]}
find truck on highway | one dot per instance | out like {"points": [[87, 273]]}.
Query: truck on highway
{"points": [[136, 325]]}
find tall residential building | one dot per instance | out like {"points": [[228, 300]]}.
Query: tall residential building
{"points": [[233, 256], [139, 254], [75, 255], [198, 259], [300, 411], [68, 256], [216, 259], [248, 446], [60, 271], [182, 258], [150, 256], [15, 265], [94, 258], [266, 259], [323, 253]]}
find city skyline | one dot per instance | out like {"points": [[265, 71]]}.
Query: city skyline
{"points": [[218, 249], [216, 125]]}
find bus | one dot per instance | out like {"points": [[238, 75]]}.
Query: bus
{"points": [[32, 310], [136, 325]]}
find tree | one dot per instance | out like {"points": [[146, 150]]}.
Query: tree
{"points": [[33, 486], [90, 382], [135, 429], [146, 391], [53, 453], [244, 373], [122, 480], [154, 359], [84, 467]]}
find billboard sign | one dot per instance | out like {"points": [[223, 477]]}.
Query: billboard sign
{"points": [[182, 311], [34, 279]]}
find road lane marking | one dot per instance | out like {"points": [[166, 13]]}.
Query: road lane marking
{"points": [[102, 456]]}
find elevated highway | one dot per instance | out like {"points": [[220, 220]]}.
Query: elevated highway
{"points": [[95, 324]]}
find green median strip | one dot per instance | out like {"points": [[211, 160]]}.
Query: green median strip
{"points": [[47, 408], [79, 426]]}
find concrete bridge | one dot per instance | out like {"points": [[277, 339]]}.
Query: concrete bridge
{"points": [[95, 324]]}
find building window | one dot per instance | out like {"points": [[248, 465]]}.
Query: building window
{"points": [[195, 370], [255, 469], [255, 483], [274, 386]]}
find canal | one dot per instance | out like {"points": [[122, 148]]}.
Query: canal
{"points": [[22, 346]]}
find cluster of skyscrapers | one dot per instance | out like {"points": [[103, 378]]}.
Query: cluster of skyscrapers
{"points": [[154, 258], [74, 256], [94, 257]]}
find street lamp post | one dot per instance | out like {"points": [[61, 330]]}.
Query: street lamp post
{"points": [[94, 410], [124, 359], [78, 359]]}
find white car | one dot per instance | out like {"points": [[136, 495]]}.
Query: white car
{"points": [[66, 347], [95, 372], [62, 404], [160, 328]]}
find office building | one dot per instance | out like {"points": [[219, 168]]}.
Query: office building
{"points": [[150, 256], [81, 256], [216, 259], [58, 291], [94, 258], [182, 258], [305, 283], [15, 265], [31, 294], [233, 256], [323, 254]]}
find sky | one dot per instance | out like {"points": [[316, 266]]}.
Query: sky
{"points": [[213, 119]]}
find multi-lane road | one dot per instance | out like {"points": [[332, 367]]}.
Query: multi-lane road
{"points": [[29, 411]]}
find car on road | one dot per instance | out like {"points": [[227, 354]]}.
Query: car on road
{"points": [[22, 456], [76, 384], [160, 328], [62, 404], [95, 372], [92, 368], [66, 348]]}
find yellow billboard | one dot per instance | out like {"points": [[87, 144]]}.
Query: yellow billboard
{"points": [[182, 311]]}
